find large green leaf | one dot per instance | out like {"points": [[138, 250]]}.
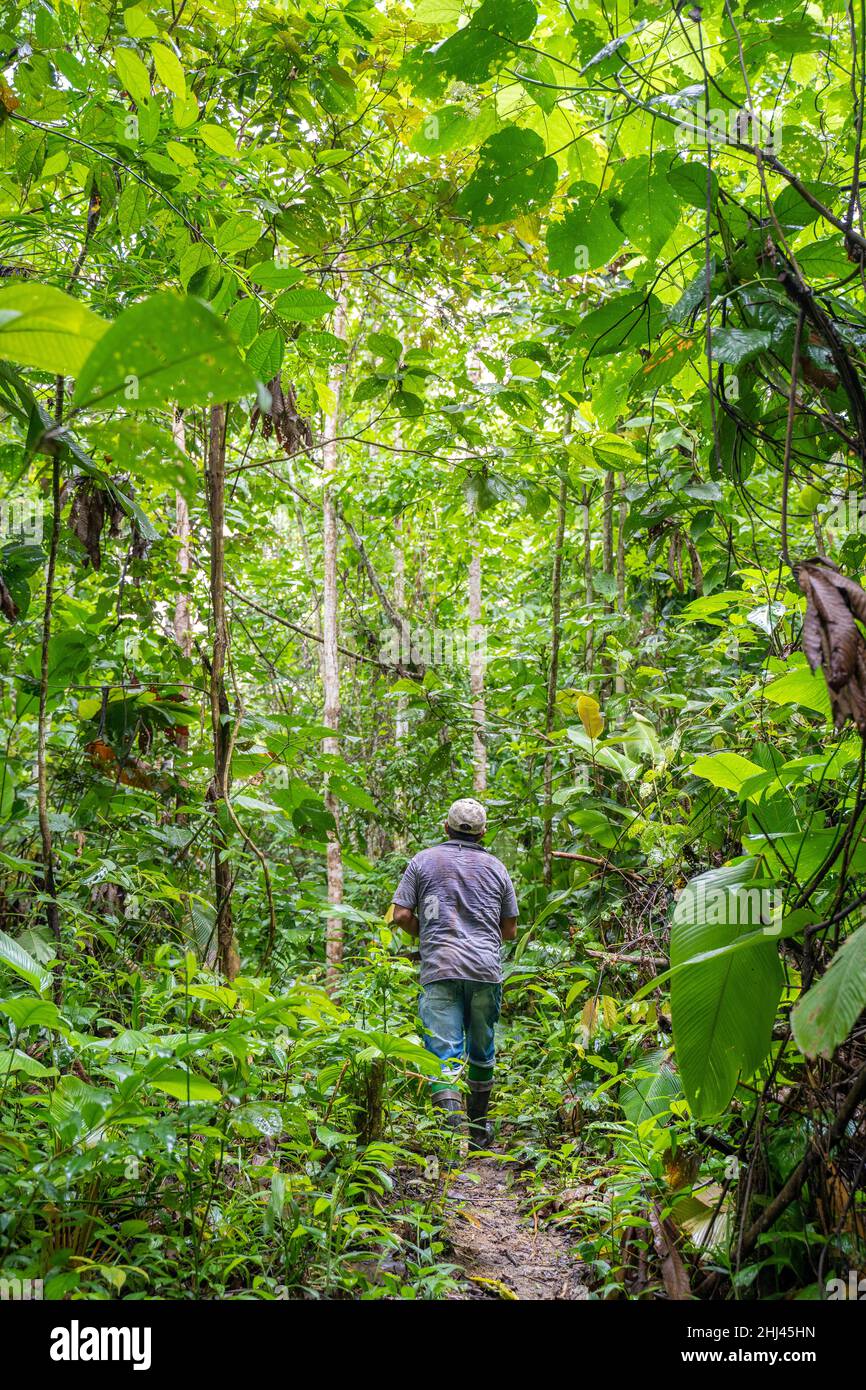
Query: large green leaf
{"points": [[649, 1087], [489, 38], [800, 687], [514, 175], [27, 1012], [825, 1015], [40, 326], [7, 789], [167, 348], [183, 1085], [722, 1009], [16, 958], [728, 770], [645, 206], [586, 237]]}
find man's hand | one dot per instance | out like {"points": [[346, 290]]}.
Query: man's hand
{"points": [[404, 917], [508, 927]]}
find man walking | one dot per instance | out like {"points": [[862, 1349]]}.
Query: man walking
{"points": [[459, 900]]}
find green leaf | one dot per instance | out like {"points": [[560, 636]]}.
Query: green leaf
{"points": [[586, 238], [169, 69], [166, 348], [722, 1009], [42, 327], [7, 789], [649, 1087], [237, 233], [16, 1060], [272, 276], [27, 1012], [825, 1015], [800, 687], [184, 1085], [645, 206], [304, 306], [728, 770], [243, 320], [487, 40], [689, 182], [514, 174], [265, 357], [133, 74], [626, 321], [138, 23], [131, 207], [217, 138], [736, 346], [16, 958]]}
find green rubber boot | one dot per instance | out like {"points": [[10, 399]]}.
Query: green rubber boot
{"points": [[451, 1105], [480, 1129]]}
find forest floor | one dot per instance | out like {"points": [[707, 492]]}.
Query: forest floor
{"points": [[502, 1252]]}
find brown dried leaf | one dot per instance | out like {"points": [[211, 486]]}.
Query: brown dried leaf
{"points": [[832, 639], [87, 518], [8, 606], [674, 1274], [292, 430]]}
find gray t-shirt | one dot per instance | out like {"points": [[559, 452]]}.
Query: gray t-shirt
{"points": [[460, 893]]}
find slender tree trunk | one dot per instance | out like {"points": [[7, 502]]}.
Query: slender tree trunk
{"points": [[552, 678], [607, 561], [182, 618], [587, 575], [476, 667], [401, 723], [52, 912], [620, 566], [331, 661], [227, 957], [401, 717], [305, 550]]}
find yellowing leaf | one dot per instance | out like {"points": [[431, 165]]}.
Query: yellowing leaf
{"points": [[132, 73], [495, 1286], [591, 716], [218, 139], [168, 69]]}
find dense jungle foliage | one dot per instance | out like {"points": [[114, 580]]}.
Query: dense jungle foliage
{"points": [[399, 400]]}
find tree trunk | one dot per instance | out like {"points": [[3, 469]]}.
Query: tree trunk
{"points": [[553, 675], [620, 566], [401, 718], [331, 661], [476, 667], [182, 616], [182, 619], [607, 562], [52, 912], [587, 576], [227, 957]]}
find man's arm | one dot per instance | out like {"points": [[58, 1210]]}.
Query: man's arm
{"points": [[404, 917], [508, 911]]}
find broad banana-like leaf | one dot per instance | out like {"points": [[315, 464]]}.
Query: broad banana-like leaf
{"points": [[825, 1015], [722, 1009]]}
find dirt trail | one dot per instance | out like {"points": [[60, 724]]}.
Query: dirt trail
{"points": [[504, 1255]]}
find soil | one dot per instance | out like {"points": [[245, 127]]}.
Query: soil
{"points": [[502, 1252]]}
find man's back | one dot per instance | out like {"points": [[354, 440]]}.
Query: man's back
{"points": [[461, 894]]}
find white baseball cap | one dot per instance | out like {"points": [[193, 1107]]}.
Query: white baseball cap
{"points": [[467, 815]]}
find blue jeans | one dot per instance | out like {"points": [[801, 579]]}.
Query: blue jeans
{"points": [[459, 1018]]}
